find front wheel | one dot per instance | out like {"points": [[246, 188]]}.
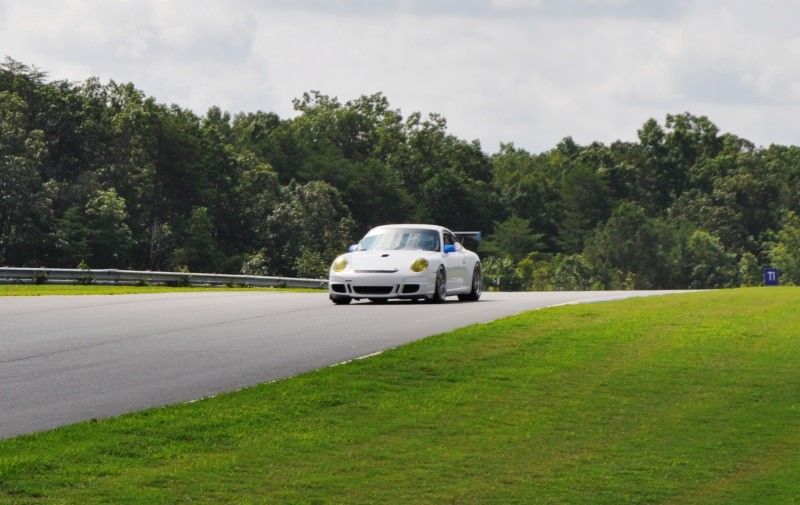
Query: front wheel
{"points": [[340, 300], [440, 289], [475, 294]]}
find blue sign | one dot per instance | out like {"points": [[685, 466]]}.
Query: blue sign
{"points": [[771, 276]]}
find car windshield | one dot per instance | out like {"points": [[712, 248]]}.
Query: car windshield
{"points": [[394, 239]]}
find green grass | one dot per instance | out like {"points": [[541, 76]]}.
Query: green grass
{"points": [[92, 289], [678, 399]]}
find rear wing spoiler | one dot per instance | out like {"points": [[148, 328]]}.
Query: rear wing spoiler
{"points": [[461, 234]]}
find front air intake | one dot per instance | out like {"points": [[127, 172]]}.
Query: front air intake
{"points": [[372, 290]]}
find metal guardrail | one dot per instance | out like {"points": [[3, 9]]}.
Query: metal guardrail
{"points": [[91, 276]]}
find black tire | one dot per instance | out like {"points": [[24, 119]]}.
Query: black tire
{"points": [[475, 294], [341, 300], [379, 300], [440, 289]]}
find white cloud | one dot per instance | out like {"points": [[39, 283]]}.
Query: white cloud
{"points": [[527, 71], [515, 4]]}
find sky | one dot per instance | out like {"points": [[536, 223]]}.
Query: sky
{"points": [[530, 72]]}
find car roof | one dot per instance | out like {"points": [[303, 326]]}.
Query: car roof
{"points": [[411, 225]]}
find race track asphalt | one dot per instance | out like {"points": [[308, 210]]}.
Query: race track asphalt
{"points": [[65, 359]]}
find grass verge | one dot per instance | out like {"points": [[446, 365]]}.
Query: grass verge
{"points": [[95, 289], [678, 399]]}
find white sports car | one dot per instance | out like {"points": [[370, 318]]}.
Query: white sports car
{"points": [[410, 261]]}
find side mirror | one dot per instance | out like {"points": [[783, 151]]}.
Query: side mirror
{"points": [[449, 248], [353, 248]]}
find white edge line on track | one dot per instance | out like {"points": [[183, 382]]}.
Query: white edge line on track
{"points": [[366, 356]]}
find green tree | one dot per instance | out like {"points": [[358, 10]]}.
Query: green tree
{"points": [[666, 157], [256, 263], [750, 273], [784, 250], [708, 264], [513, 238], [572, 272], [199, 251], [308, 228], [109, 236], [628, 243], [346, 146], [73, 237], [451, 177], [528, 187], [24, 207], [258, 191], [587, 202], [500, 274], [541, 275]]}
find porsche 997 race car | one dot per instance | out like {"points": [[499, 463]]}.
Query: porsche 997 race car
{"points": [[406, 261]]}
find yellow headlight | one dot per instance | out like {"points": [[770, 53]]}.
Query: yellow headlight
{"points": [[419, 265], [339, 264]]}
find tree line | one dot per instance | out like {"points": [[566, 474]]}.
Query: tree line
{"points": [[102, 175]]}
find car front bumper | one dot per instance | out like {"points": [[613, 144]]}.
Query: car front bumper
{"points": [[381, 285]]}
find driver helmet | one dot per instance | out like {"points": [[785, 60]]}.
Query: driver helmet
{"points": [[427, 242]]}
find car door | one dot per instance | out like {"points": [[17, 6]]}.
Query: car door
{"points": [[455, 263]]}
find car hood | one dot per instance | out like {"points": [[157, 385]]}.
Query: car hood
{"points": [[387, 260]]}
